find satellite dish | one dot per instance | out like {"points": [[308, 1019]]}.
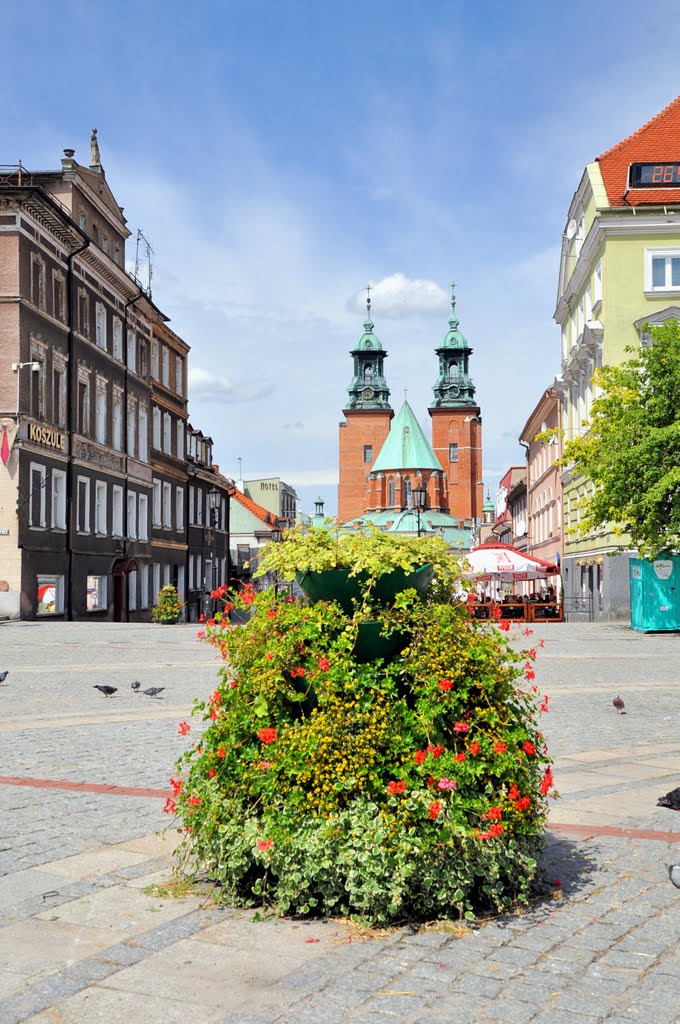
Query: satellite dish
{"points": [[571, 230]]}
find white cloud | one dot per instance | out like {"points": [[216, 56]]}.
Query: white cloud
{"points": [[212, 387], [398, 296]]}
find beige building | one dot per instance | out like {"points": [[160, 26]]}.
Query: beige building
{"points": [[544, 486]]}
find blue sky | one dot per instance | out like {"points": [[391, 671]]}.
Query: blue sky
{"points": [[279, 155]]}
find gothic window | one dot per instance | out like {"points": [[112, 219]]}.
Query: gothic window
{"points": [[390, 492], [406, 498]]}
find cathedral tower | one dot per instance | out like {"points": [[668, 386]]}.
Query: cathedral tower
{"points": [[367, 422], [457, 423]]}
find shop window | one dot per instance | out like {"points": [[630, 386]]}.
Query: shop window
{"points": [[96, 593], [50, 595]]}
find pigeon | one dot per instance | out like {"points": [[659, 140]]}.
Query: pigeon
{"points": [[108, 691], [153, 691], [671, 800], [619, 705], [674, 874], [136, 685], [3, 675]]}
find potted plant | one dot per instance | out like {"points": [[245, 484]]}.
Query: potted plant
{"points": [[168, 608]]}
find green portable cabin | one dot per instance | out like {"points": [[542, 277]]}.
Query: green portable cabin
{"points": [[655, 594]]}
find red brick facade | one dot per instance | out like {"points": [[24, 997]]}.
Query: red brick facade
{"points": [[463, 428], [362, 427]]}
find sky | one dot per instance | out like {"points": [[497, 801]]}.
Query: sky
{"points": [[280, 155]]}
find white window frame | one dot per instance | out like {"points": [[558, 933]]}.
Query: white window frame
{"points": [[154, 358], [100, 499], [179, 375], [180, 439], [132, 351], [180, 583], [143, 517], [179, 508], [167, 505], [117, 421], [58, 583], [192, 504], [102, 591], [132, 591], [100, 325], [666, 253], [155, 581], [100, 412], [165, 365], [117, 333], [131, 427], [132, 515], [157, 507], [143, 425], [156, 417], [117, 511], [85, 527], [144, 586], [167, 433], [191, 572], [58, 499]]}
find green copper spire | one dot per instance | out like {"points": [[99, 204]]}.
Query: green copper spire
{"points": [[453, 387], [368, 389]]}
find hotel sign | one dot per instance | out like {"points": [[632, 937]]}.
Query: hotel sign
{"points": [[48, 436]]}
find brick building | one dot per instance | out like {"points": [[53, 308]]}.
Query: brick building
{"points": [[383, 460]]}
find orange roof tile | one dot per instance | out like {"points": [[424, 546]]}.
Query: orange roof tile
{"points": [[658, 141], [252, 506]]}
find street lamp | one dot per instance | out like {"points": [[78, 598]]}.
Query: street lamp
{"points": [[419, 497]]}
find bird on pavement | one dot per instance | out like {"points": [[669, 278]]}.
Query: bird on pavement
{"points": [[670, 800], [674, 874], [3, 675], [619, 705], [153, 691], [108, 691], [136, 685]]}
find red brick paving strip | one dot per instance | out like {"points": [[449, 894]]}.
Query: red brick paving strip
{"points": [[95, 787], [84, 787]]}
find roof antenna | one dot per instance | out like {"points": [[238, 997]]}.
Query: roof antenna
{"points": [[149, 253]]}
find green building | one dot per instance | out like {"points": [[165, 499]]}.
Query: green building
{"points": [[619, 269]]}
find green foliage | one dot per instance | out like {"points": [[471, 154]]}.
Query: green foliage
{"points": [[408, 790], [169, 607], [631, 451]]}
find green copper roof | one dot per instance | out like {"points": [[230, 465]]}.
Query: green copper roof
{"points": [[406, 446], [439, 524], [368, 342], [488, 505], [453, 337]]}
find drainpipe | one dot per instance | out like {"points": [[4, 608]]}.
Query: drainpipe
{"points": [[71, 397]]}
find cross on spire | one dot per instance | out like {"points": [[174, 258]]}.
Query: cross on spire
{"points": [[368, 300], [405, 393], [453, 295]]}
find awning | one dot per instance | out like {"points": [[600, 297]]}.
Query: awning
{"points": [[506, 564]]}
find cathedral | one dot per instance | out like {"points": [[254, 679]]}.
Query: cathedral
{"points": [[391, 475]]}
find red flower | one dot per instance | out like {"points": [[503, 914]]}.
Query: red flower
{"points": [[269, 655], [528, 632], [513, 793], [445, 684], [248, 595], [557, 883], [504, 625], [395, 788], [195, 801], [267, 735], [435, 809], [296, 672], [430, 782], [544, 705], [215, 714], [169, 806], [495, 830], [212, 773], [461, 727], [183, 729], [201, 617], [264, 765], [475, 748], [271, 614], [200, 635], [547, 782], [541, 643], [419, 756], [523, 804], [529, 748], [324, 664], [265, 844], [496, 612], [435, 751], [176, 786], [494, 813], [529, 674], [500, 747], [532, 653], [459, 758]]}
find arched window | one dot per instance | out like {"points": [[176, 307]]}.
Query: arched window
{"points": [[390, 492], [368, 372], [406, 497], [454, 371]]}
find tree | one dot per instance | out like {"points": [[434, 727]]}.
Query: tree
{"points": [[631, 451]]}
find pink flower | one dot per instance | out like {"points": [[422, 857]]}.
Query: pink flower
{"points": [[529, 674], [264, 765], [528, 632], [461, 727], [324, 664], [445, 783]]}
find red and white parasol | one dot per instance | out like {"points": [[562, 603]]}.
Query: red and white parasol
{"points": [[505, 564]]}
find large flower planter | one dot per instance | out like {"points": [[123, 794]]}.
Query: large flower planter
{"points": [[338, 585], [371, 643]]}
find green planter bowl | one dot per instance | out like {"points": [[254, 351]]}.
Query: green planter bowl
{"points": [[338, 585], [371, 643]]}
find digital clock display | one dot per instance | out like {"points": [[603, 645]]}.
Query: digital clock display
{"points": [[654, 175]]}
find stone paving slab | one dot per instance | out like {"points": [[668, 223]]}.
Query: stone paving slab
{"points": [[603, 949]]}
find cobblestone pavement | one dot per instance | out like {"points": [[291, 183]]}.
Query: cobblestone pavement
{"points": [[83, 940]]}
